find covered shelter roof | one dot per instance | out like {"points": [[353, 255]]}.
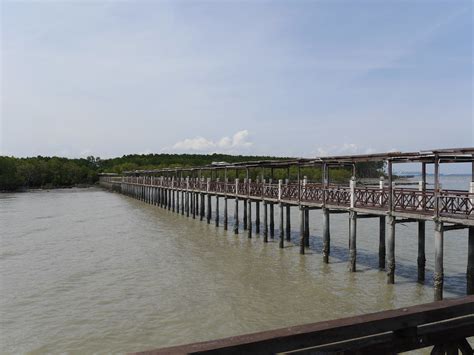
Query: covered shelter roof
{"points": [[448, 155]]}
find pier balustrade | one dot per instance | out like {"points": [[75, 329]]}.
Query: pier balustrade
{"points": [[452, 203]]}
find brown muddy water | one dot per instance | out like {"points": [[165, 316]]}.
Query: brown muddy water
{"points": [[86, 270]]}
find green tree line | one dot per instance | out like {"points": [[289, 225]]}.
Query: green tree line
{"points": [[54, 172]]}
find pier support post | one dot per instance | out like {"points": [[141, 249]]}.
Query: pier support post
{"points": [[169, 198], [193, 203], [245, 214], [421, 260], [470, 263], [177, 201], [382, 242], [265, 222], [257, 217], [236, 209], [306, 227], [182, 202], [209, 208], [272, 221], [282, 230], [302, 213], [236, 216], [249, 218], [438, 271], [391, 250], [187, 201], [164, 195], [326, 235], [196, 203], [288, 223], [217, 210], [225, 214], [353, 241], [173, 199], [201, 206]]}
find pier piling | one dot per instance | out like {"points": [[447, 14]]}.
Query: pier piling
{"points": [[353, 241], [391, 250], [288, 223], [257, 217], [301, 229], [272, 220], [438, 270], [421, 259], [470, 262], [282, 230], [306, 227], [326, 235], [265, 223], [249, 218]]}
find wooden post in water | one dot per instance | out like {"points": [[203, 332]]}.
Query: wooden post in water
{"points": [[236, 209], [217, 206], [187, 196], [209, 206], [306, 227], [470, 246], [195, 204], [282, 230], [421, 259], [272, 211], [201, 202], [265, 223], [173, 205], [225, 213], [257, 216], [382, 222], [325, 212], [326, 235], [470, 263], [352, 228], [301, 208], [169, 194], [244, 217], [183, 195], [288, 223], [226, 181], [272, 220], [438, 270], [194, 195], [391, 250], [249, 218], [302, 190], [353, 241]]}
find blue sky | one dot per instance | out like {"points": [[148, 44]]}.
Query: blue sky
{"points": [[302, 78]]}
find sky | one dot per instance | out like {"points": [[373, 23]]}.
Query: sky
{"points": [[285, 78]]}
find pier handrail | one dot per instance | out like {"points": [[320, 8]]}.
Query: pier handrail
{"points": [[451, 203], [431, 324]]}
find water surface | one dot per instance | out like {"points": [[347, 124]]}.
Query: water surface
{"points": [[86, 270]]}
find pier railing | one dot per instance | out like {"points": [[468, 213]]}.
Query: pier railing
{"points": [[451, 203], [443, 325]]}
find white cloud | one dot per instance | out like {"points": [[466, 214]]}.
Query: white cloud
{"points": [[343, 149], [234, 144]]}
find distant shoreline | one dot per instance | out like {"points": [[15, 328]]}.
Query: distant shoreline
{"points": [[25, 189]]}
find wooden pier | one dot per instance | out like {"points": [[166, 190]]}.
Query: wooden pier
{"points": [[189, 190]]}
